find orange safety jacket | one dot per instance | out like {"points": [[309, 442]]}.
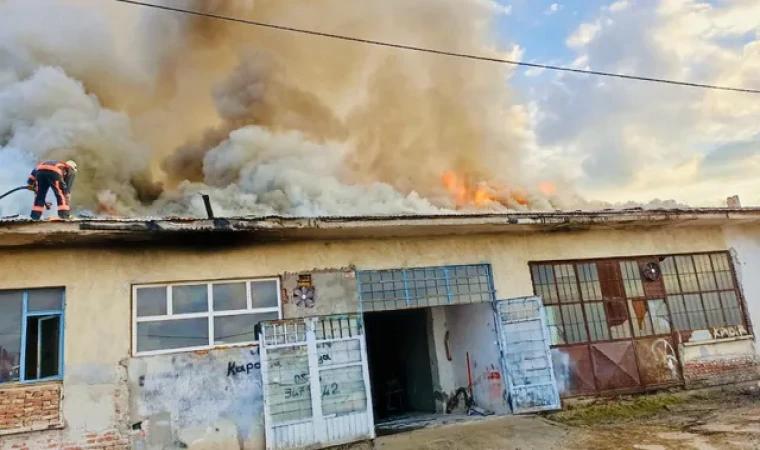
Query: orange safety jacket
{"points": [[59, 167]]}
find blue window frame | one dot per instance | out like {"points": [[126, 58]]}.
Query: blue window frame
{"points": [[31, 335], [383, 290]]}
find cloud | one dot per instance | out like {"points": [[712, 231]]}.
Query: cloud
{"points": [[583, 35], [618, 6], [494, 6], [553, 8], [622, 139]]}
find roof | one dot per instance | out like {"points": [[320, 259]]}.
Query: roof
{"points": [[21, 232]]}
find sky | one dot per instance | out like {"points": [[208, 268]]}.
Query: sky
{"points": [[618, 139]]}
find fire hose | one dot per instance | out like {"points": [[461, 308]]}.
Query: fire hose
{"points": [[21, 188]]}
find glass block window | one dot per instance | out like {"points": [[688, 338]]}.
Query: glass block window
{"points": [[382, 290]]}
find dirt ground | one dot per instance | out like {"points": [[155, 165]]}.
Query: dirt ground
{"points": [[716, 419]]}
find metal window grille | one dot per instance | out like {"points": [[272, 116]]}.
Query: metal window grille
{"points": [[697, 291], [383, 290]]}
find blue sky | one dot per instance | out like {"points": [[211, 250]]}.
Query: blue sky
{"points": [[615, 139], [541, 30]]}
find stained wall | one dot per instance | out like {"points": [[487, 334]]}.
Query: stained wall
{"points": [[100, 397]]}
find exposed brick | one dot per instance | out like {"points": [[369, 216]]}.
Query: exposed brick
{"points": [[26, 407], [701, 373]]}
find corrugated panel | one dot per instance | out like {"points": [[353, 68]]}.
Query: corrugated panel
{"points": [[294, 436], [524, 338], [300, 411], [347, 428]]}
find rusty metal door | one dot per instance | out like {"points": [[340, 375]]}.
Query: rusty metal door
{"points": [[526, 357], [316, 382]]}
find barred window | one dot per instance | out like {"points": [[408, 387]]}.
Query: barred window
{"points": [[610, 299], [566, 321], [702, 292]]}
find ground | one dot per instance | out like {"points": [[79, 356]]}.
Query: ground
{"points": [[715, 419]]}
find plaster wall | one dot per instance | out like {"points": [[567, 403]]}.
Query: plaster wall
{"points": [[744, 244], [98, 281], [472, 331]]}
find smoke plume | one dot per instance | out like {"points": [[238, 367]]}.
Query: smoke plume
{"points": [[157, 107]]}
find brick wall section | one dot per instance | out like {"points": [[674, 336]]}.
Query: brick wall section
{"points": [[30, 408], [57, 437], [109, 440], [721, 371]]}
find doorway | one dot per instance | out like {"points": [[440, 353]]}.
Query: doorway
{"points": [[399, 363]]}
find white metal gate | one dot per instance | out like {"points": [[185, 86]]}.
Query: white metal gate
{"points": [[316, 382], [526, 356]]}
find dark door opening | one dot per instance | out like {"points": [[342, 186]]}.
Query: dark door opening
{"points": [[399, 363]]}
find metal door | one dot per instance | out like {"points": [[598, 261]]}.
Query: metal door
{"points": [[315, 382], [525, 353]]}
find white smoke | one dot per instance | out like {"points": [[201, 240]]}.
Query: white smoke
{"points": [[286, 172], [263, 123], [49, 115]]}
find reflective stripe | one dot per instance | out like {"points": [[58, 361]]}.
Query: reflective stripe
{"points": [[55, 169], [38, 208], [64, 208], [59, 193]]}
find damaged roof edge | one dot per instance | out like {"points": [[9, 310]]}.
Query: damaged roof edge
{"points": [[24, 232]]}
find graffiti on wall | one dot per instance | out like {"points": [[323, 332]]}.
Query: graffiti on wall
{"points": [[667, 355], [728, 332], [234, 369], [193, 400], [490, 381]]}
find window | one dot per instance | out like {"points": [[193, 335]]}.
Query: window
{"points": [[31, 335], [701, 292], [610, 299], [192, 316], [381, 290]]}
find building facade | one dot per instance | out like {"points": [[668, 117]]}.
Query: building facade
{"points": [[147, 334]]}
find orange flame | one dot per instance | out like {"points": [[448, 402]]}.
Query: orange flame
{"points": [[547, 188], [467, 193], [456, 187], [464, 193]]}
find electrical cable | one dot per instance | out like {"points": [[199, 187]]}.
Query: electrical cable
{"points": [[440, 52]]}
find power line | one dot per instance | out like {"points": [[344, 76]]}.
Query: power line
{"points": [[439, 52]]}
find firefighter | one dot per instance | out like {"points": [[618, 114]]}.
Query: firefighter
{"points": [[55, 175]]}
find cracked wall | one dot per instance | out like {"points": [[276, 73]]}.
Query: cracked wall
{"points": [[198, 400]]}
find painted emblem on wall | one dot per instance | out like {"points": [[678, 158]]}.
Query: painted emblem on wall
{"points": [[304, 294]]}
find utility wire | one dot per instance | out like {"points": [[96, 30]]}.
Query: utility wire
{"points": [[439, 52]]}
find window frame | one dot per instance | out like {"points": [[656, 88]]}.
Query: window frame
{"points": [[618, 260], [209, 315], [410, 287], [25, 316]]}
